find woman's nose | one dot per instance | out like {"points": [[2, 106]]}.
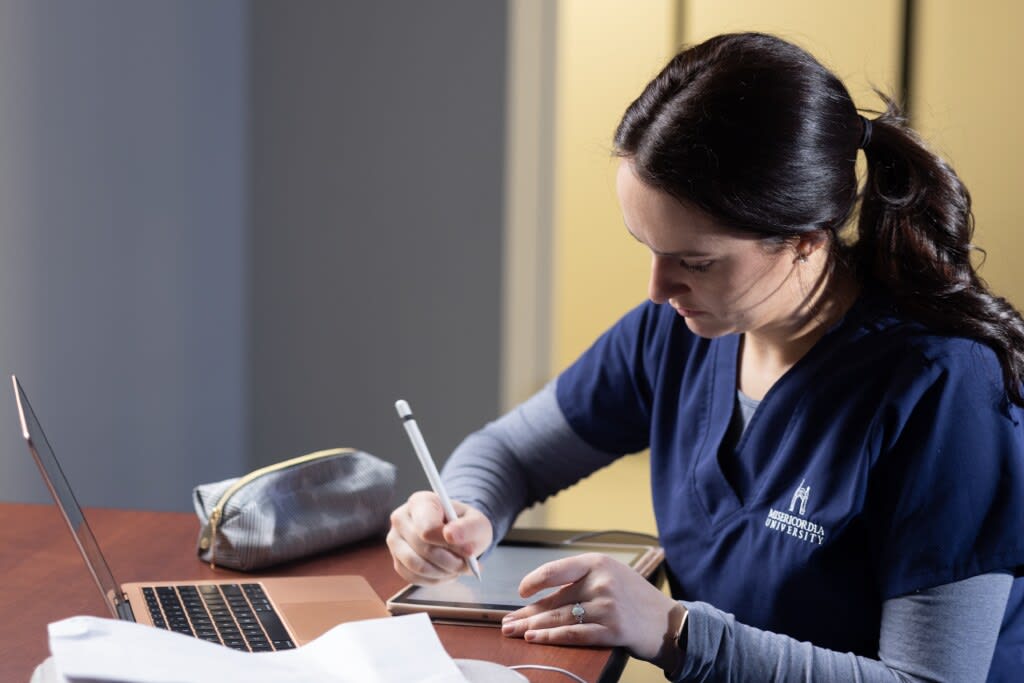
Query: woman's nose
{"points": [[666, 279]]}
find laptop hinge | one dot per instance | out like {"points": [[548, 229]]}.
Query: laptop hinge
{"points": [[124, 610]]}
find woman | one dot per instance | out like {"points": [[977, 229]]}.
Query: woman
{"points": [[837, 455]]}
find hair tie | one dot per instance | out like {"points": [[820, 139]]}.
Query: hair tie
{"points": [[865, 135]]}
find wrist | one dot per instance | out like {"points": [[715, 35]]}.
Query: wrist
{"points": [[672, 654]]}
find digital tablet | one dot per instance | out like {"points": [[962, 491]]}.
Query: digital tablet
{"points": [[497, 594]]}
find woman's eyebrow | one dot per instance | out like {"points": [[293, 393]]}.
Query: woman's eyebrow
{"points": [[674, 254]]}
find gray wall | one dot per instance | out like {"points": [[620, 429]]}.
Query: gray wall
{"points": [[234, 232], [122, 243], [377, 132]]}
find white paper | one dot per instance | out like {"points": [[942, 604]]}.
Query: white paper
{"points": [[357, 652]]}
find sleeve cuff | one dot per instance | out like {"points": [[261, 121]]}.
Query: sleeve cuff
{"points": [[706, 627]]}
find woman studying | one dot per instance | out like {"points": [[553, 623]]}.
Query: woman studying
{"points": [[837, 455]]}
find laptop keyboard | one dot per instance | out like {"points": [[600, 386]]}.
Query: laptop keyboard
{"points": [[236, 615]]}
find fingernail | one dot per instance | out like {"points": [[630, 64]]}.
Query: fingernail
{"points": [[530, 635], [507, 629]]}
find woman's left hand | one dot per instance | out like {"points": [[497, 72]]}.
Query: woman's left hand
{"points": [[620, 608]]}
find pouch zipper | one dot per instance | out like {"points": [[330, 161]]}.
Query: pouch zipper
{"points": [[207, 540]]}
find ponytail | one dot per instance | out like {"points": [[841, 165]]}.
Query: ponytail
{"points": [[914, 240]]}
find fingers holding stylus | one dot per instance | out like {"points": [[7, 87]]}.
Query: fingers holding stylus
{"points": [[427, 550], [416, 540], [471, 533]]}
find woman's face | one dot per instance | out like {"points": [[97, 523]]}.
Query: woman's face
{"points": [[721, 282]]}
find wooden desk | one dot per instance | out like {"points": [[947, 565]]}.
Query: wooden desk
{"points": [[43, 579]]}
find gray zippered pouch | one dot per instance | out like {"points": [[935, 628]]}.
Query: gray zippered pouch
{"points": [[293, 509]]}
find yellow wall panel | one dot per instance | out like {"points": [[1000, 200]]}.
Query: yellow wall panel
{"points": [[860, 42], [967, 102], [607, 51]]}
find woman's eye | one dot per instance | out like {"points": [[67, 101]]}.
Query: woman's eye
{"points": [[696, 267]]}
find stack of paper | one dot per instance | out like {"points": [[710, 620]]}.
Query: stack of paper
{"points": [[104, 650]]}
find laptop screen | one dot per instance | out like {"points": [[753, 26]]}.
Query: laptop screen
{"points": [[61, 490]]}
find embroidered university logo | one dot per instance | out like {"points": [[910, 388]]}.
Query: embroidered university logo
{"points": [[796, 525], [800, 495]]}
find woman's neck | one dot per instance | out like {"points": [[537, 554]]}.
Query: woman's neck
{"points": [[768, 353]]}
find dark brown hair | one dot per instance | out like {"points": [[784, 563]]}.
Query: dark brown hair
{"points": [[757, 133]]}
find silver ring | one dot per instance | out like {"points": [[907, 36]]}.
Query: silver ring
{"points": [[578, 612]]}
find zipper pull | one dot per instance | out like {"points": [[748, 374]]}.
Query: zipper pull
{"points": [[211, 540]]}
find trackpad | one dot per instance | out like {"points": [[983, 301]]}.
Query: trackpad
{"points": [[311, 619]]}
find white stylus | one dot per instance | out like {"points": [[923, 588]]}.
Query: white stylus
{"points": [[420, 446]]}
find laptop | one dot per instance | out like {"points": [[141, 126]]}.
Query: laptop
{"points": [[250, 614]]}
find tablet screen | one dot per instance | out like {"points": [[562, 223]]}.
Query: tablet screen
{"points": [[501, 572]]}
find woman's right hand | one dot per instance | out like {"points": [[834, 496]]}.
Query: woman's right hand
{"points": [[425, 549]]}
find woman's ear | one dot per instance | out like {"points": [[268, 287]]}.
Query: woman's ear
{"points": [[810, 242]]}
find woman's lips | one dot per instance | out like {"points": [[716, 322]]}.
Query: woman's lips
{"points": [[688, 312]]}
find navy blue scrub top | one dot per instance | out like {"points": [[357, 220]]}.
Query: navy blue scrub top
{"points": [[886, 461]]}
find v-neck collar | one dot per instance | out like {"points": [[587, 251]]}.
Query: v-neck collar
{"points": [[782, 402]]}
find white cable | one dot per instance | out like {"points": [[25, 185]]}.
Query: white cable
{"points": [[544, 667]]}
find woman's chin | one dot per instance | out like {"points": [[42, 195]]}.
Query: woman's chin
{"points": [[707, 327]]}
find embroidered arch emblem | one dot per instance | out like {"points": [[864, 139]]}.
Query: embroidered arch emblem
{"points": [[800, 495]]}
